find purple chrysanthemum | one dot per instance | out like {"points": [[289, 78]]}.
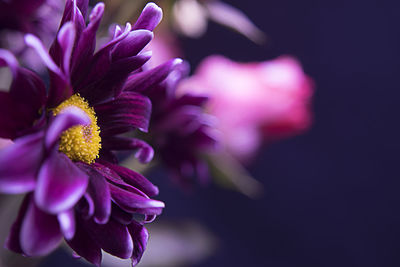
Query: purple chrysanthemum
{"points": [[65, 138], [181, 130]]}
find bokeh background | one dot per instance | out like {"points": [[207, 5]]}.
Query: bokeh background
{"points": [[331, 195]]}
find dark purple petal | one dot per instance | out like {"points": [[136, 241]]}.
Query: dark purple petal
{"points": [[140, 236], [144, 152], [66, 41], [84, 245], [149, 18], [60, 88], [99, 192], [112, 237], [142, 81], [132, 202], [101, 88], [127, 112], [22, 104], [132, 44], [40, 232], [20, 163], [120, 215], [69, 117], [60, 184], [134, 179], [13, 241], [84, 49], [85, 206], [66, 220]]}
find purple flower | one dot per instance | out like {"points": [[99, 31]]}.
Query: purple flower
{"points": [[65, 139], [181, 130]]}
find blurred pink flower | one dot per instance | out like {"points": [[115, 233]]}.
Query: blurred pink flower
{"points": [[254, 102]]}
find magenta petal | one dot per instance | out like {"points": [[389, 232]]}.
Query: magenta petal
{"points": [[134, 179], [132, 44], [66, 40], [132, 202], [66, 220], [13, 242], [60, 184], [144, 152], [140, 236], [100, 193], [149, 18], [142, 81], [40, 232], [71, 116], [84, 245], [19, 164], [113, 238], [127, 112]]}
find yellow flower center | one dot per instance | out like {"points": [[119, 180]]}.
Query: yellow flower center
{"points": [[80, 143]]}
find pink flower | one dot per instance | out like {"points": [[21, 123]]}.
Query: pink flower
{"points": [[253, 102]]}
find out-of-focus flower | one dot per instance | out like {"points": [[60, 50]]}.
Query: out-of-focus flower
{"points": [[190, 18], [18, 17], [64, 140], [254, 101], [181, 130]]}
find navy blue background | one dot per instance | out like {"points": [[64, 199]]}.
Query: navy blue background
{"points": [[332, 194]]}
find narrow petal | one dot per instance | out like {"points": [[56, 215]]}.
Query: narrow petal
{"points": [[84, 245], [144, 152], [149, 18], [71, 116], [60, 184], [134, 179], [112, 237], [99, 192], [66, 220], [20, 163], [132, 202], [128, 112], [84, 49], [66, 40], [40, 232], [13, 241], [140, 236], [24, 100], [60, 88], [142, 81], [132, 44]]}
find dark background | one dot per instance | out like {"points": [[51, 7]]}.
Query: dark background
{"points": [[332, 194]]}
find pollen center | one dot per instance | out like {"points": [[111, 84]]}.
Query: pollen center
{"points": [[80, 143]]}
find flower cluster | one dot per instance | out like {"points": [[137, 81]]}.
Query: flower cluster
{"points": [[65, 138]]}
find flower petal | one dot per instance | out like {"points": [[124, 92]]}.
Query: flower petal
{"points": [[144, 152], [149, 18], [142, 81], [112, 237], [99, 192], [66, 40], [40, 232], [69, 117], [132, 44], [19, 164], [127, 112], [66, 220], [84, 245], [140, 236], [132, 202], [134, 179], [60, 184], [13, 242], [24, 100]]}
